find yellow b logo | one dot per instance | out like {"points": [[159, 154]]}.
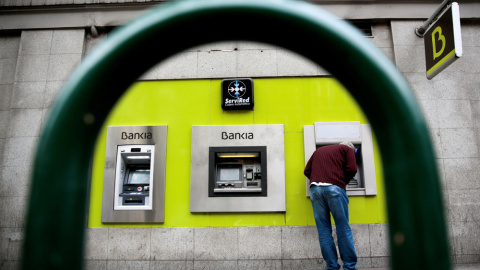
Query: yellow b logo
{"points": [[440, 38]]}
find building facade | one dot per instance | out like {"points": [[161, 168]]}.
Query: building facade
{"points": [[41, 43]]}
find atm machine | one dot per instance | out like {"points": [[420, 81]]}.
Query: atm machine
{"points": [[134, 178], [327, 133], [238, 169]]}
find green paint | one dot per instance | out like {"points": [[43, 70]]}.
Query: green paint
{"points": [[444, 59], [293, 102]]}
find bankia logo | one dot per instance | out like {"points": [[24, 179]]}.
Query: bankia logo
{"points": [[237, 94]]}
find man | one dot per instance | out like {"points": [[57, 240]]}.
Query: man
{"points": [[330, 169]]}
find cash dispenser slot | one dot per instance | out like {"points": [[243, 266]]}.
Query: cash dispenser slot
{"points": [[237, 171]]}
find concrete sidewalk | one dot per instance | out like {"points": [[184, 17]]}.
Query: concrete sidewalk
{"points": [[475, 266]]}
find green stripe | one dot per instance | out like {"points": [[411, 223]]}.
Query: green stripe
{"points": [[441, 62]]}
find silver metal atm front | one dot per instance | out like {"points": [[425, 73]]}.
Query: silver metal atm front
{"points": [[134, 178], [238, 169], [327, 133]]}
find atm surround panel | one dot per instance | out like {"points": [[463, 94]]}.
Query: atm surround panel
{"points": [[269, 136], [361, 137], [135, 137], [239, 171]]}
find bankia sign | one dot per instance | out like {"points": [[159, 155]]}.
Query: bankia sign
{"points": [[443, 41], [237, 94]]}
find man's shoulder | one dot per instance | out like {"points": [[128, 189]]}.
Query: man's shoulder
{"points": [[334, 148], [331, 147]]}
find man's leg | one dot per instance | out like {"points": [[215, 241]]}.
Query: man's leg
{"points": [[338, 202], [321, 213]]}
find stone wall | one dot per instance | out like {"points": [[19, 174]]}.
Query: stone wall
{"points": [[33, 67], [452, 107], [224, 247]]}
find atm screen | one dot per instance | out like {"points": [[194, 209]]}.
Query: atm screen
{"points": [[141, 177], [229, 174]]}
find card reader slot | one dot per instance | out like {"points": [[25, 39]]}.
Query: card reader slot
{"points": [[133, 201]]}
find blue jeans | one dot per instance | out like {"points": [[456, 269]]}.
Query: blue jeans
{"points": [[326, 200]]}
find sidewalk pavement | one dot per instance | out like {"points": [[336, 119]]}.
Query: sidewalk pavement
{"points": [[475, 266]]}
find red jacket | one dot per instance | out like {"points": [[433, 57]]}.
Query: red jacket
{"points": [[334, 164]]}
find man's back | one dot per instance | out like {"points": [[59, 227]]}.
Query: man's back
{"points": [[333, 164]]}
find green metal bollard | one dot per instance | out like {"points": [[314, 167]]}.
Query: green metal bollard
{"points": [[56, 214]]}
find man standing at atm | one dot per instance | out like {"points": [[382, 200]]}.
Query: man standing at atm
{"points": [[329, 169]]}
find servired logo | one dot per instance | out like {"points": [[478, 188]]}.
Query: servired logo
{"points": [[237, 94]]}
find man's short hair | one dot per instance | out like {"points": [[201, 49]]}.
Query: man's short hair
{"points": [[349, 144]]}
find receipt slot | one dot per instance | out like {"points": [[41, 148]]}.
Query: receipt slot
{"points": [[237, 171], [327, 133], [134, 178]]}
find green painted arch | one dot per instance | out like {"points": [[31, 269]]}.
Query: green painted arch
{"points": [[414, 200]]}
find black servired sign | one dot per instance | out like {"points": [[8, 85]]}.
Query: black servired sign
{"points": [[237, 94]]}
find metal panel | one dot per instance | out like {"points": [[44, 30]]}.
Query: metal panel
{"points": [[369, 176], [114, 139], [335, 132], [368, 161], [271, 136], [309, 148]]}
